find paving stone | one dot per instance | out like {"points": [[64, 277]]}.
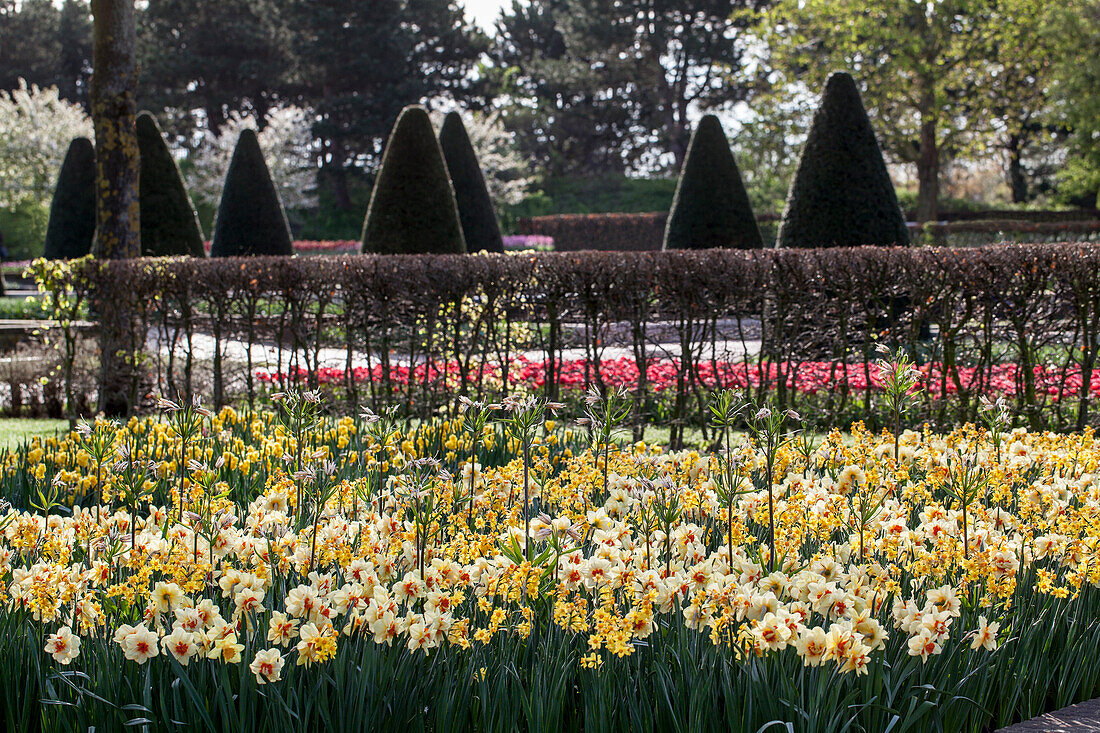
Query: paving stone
{"points": [[1081, 718]]}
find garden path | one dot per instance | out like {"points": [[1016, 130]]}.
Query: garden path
{"points": [[266, 356]]}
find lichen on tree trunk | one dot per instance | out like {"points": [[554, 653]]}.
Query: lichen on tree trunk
{"points": [[118, 230]]}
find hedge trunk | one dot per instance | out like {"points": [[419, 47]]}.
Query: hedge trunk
{"points": [[169, 224], [842, 195], [71, 229], [412, 208], [475, 207], [250, 218], [711, 207]]}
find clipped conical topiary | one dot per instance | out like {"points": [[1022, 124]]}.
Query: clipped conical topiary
{"points": [[475, 207], [412, 209], [169, 224], [842, 195], [72, 212], [711, 208], [250, 218]]}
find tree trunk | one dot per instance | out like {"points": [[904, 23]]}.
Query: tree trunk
{"points": [[118, 230], [928, 170], [337, 176], [1017, 179]]}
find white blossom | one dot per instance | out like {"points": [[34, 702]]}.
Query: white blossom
{"points": [[36, 127], [288, 146], [506, 173]]}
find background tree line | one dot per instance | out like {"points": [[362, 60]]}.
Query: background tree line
{"points": [[608, 90]]}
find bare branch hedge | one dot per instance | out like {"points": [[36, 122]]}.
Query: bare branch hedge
{"points": [[1019, 320]]}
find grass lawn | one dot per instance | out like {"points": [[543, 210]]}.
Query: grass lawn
{"points": [[15, 430]]}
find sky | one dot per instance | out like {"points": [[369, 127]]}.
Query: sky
{"points": [[484, 12]]}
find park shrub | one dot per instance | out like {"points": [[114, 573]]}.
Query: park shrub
{"points": [[250, 219], [71, 229], [413, 209], [23, 228], [711, 207], [977, 232], [480, 227], [638, 232], [842, 195], [169, 224]]}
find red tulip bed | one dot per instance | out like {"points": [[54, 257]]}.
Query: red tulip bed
{"points": [[663, 375]]}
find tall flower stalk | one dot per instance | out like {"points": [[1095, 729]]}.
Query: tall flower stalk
{"points": [[899, 383], [299, 413], [768, 430], [523, 417]]}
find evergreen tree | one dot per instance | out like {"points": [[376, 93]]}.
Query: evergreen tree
{"points": [[188, 62], [169, 224], [711, 208], [75, 60], [413, 209], [598, 87], [842, 195], [250, 218], [475, 207], [361, 62], [29, 45], [72, 213]]}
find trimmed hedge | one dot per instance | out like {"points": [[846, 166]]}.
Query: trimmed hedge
{"points": [[412, 208], [972, 233], [250, 219], [711, 207], [71, 229], [643, 232], [480, 227], [842, 195], [169, 224], [1024, 215], [1029, 306], [610, 232]]}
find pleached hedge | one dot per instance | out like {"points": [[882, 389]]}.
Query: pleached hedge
{"points": [[1015, 320]]}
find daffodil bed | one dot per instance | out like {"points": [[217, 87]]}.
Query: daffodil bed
{"points": [[330, 572]]}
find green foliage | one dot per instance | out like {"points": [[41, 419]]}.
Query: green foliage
{"points": [[20, 308], [250, 219], [169, 225], [711, 208], [24, 228], [602, 87], [598, 195], [475, 208], [329, 220], [48, 44], [28, 42], [413, 208], [1077, 77], [72, 211], [923, 68], [186, 60], [842, 195]]}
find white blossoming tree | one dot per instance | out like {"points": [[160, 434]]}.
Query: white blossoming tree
{"points": [[288, 146], [36, 126], [506, 173]]}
